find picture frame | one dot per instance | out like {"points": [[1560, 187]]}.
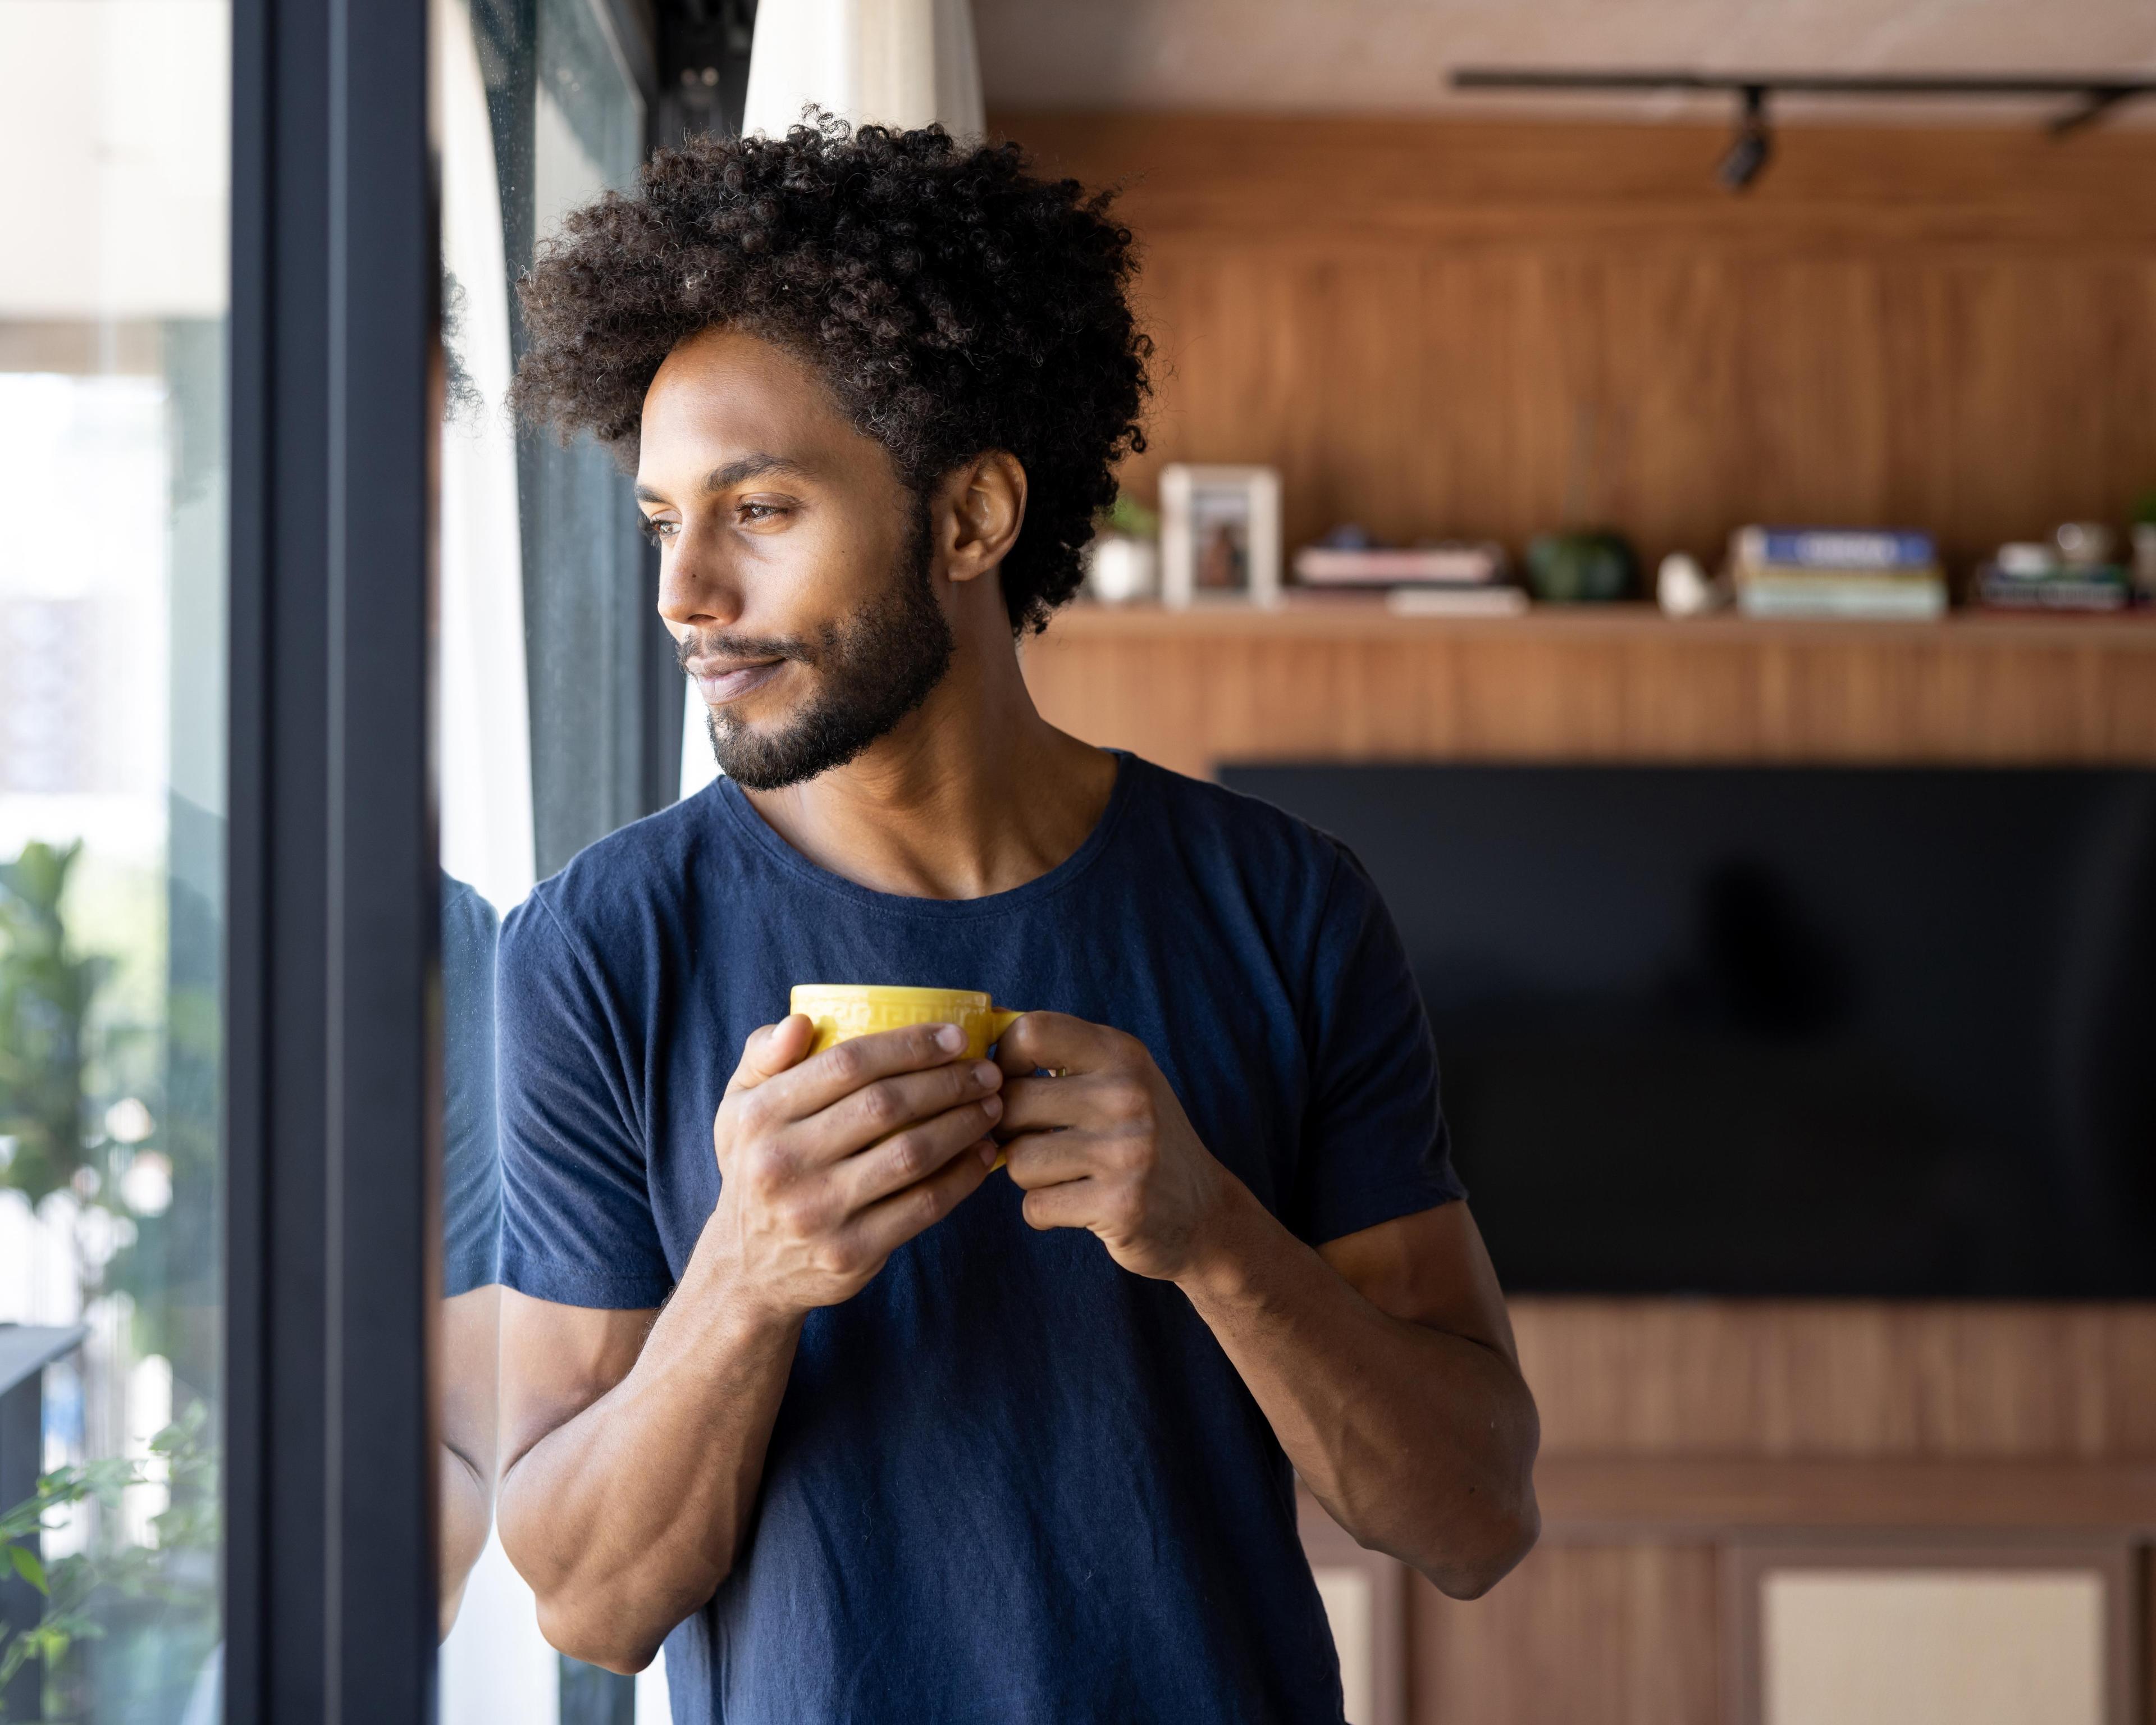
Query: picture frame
{"points": [[1220, 536]]}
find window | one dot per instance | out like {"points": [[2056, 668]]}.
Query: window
{"points": [[113, 287]]}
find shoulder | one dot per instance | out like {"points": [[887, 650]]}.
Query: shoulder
{"points": [[1232, 834], [639, 882], [469, 921]]}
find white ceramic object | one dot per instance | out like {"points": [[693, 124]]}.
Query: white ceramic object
{"points": [[1120, 569], [2029, 562], [1682, 588]]}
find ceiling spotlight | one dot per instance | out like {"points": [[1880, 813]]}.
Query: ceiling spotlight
{"points": [[1753, 144]]}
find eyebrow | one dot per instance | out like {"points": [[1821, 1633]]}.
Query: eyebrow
{"points": [[725, 478]]}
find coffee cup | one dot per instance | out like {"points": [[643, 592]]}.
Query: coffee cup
{"points": [[841, 1011]]}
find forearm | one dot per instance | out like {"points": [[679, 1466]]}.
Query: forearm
{"points": [[625, 1519], [1421, 1442]]}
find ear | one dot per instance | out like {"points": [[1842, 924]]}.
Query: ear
{"points": [[979, 509]]}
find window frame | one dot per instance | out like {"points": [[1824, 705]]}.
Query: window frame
{"points": [[332, 1083]]}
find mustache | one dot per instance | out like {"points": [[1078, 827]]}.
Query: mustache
{"points": [[693, 648]]}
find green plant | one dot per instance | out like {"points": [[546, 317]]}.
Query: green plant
{"points": [[1128, 516], [47, 990], [63, 1057], [86, 1590], [69, 1046]]}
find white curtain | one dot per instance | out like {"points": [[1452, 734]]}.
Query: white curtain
{"points": [[905, 63], [496, 1666], [486, 728]]}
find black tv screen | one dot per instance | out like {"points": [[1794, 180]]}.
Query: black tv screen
{"points": [[1782, 1031]]}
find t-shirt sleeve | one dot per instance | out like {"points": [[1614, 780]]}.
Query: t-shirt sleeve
{"points": [[471, 1160], [576, 1207], [1375, 1145]]}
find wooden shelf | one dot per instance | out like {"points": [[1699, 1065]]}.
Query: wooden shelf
{"points": [[2132, 630], [1195, 689], [1612, 1499]]}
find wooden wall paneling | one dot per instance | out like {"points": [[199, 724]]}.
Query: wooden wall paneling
{"points": [[1609, 1634], [1442, 327], [1603, 1499], [1860, 1379]]}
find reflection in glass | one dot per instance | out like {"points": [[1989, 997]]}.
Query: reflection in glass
{"points": [[112, 294], [545, 647]]}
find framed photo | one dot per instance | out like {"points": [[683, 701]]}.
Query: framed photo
{"points": [[1219, 535]]}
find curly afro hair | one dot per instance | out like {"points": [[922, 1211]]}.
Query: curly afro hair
{"points": [[953, 302]]}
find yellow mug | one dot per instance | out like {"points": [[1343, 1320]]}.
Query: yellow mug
{"points": [[841, 1011]]}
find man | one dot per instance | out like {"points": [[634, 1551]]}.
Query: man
{"points": [[792, 1380]]}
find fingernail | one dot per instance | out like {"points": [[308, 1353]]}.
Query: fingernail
{"points": [[988, 1073], [950, 1038], [988, 1152], [993, 1106]]}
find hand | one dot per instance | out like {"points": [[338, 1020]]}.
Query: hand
{"points": [[1105, 1145], [830, 1164]]}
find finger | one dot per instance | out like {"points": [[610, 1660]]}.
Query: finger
{"points": [[1056, 1040], [887, 1224], [771, 1049], [888, 1105], [1041, 1159], [821, 1080], [1074, 1204], [911, 1156], [1041, 1104]]}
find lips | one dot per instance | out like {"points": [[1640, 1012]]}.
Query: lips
{"points": [[721, 681]]}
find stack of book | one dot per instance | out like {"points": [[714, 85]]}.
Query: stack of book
{"points": [[2036, 577], [1443, 580], [1821, 572]]}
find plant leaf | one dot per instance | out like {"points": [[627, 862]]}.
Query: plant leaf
{"points": [[30, 1569]]}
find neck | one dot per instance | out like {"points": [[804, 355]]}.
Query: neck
{"points": [[972, 794]]}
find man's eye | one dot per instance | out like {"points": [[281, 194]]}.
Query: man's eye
{"points": [[760, 512], [657, 530]]}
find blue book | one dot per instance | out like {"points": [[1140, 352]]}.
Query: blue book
{"points": [[1835, 548]]}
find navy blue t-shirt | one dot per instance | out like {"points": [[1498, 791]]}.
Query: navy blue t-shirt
{"points": [[471, 1165], [1009, 1482]]}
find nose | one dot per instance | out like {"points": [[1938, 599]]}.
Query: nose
{"points": [[696, 590]]}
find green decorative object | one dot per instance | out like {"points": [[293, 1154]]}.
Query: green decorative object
{"points": [[1588, 568], [1129, 517]]}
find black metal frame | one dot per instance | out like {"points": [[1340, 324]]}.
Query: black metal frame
{"points": [[332, 1090], [2099, 95]]}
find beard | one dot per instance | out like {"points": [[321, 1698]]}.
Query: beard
{"points": [[872, 670]]}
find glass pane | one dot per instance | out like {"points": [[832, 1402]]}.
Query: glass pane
{"points": [[113, 128], [540, 748]]}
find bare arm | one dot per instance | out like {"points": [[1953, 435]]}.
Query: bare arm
{"points": [[634, 1445], [469, 1328], [1385, 1364]]}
